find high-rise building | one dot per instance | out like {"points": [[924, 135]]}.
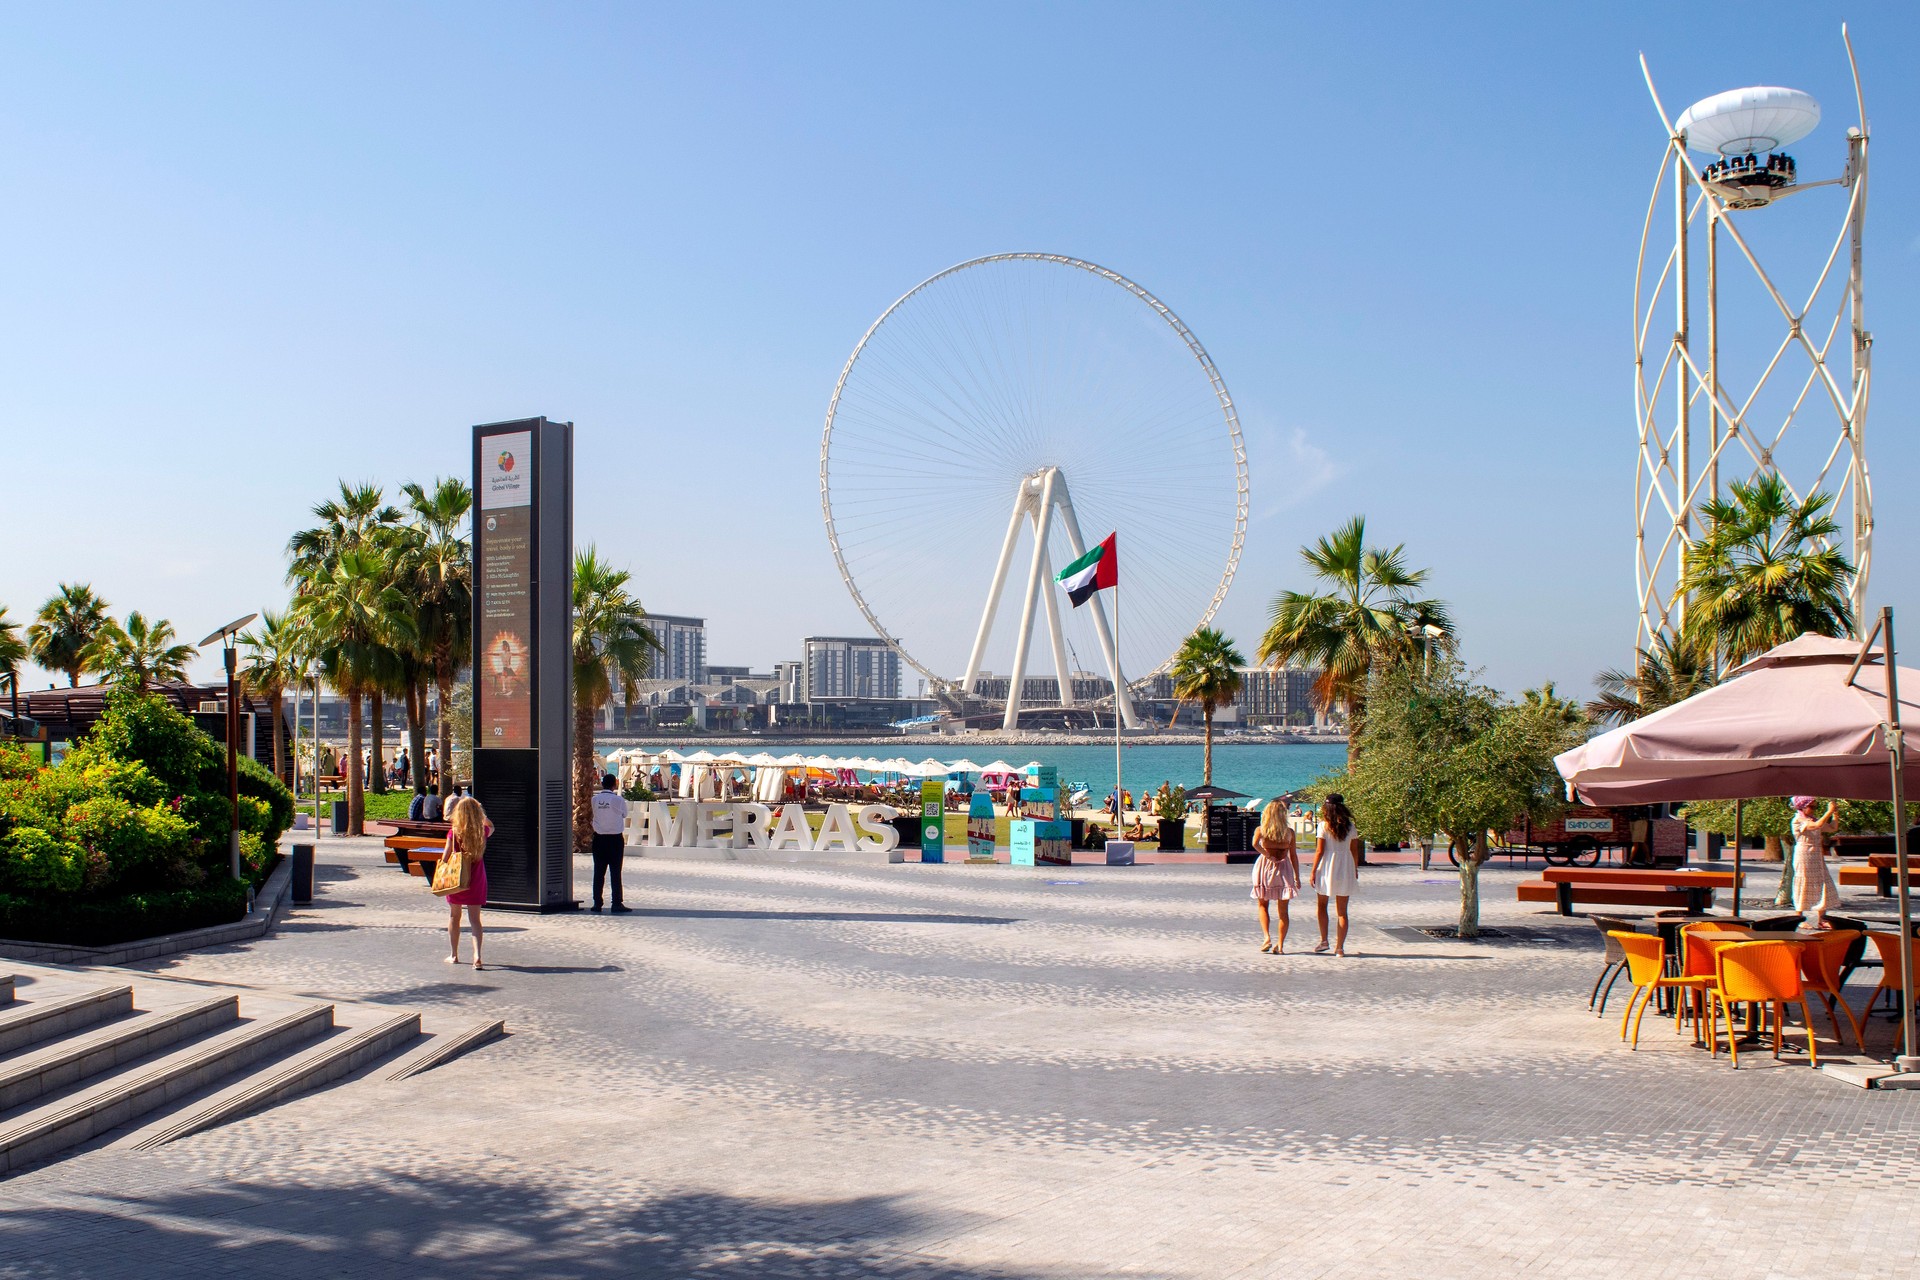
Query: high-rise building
{"points": [[793, 681], [683, 648], [850, 667], [1282, 696]]}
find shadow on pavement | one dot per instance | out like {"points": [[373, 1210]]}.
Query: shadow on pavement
{"points": [[422, 1227], [553, 968], [875, 917]]}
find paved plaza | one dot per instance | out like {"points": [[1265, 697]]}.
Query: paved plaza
{"points": [[952, 1071]]}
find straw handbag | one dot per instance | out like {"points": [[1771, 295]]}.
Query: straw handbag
{"points": [[452, 873]]}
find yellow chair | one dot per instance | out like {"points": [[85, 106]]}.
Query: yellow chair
{"points": [[1758, 973], [1646, 970], [1820, 962]]}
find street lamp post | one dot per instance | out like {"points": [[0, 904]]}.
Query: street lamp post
{"points": [[230, 655]]}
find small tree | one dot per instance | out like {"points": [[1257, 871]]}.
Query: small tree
{"points": [[612, 648], [1443, 753], [1206, 670]]}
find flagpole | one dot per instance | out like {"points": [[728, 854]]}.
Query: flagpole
{"points": [[1119, 781]]}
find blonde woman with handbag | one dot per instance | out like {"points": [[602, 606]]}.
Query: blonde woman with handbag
{"points": [[461, 876]]}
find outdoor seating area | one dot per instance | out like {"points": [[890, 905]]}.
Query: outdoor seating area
{"points": [[1736, 984]]}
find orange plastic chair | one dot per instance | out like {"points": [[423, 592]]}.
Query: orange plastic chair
{"points": [[1820, 961], [1646, 970], [1760, 973], [1888, 945]]}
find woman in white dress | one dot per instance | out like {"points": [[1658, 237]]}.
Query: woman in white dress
{"points": [[1335, 868], [1814, 893]]}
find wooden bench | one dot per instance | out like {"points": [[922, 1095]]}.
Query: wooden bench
{"points": [[1624, 895], [421, 862], [1626, 886], [399, 847]]}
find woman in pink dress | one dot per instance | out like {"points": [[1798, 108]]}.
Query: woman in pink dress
{"points": [[467, 838], [1276, 873]]}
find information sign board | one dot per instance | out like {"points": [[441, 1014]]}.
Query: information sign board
{"points": [[933, 820]]}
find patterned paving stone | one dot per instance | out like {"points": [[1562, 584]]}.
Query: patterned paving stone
{"points": [[948, 1071]]}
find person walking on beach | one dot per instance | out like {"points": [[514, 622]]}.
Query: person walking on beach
{"points": [[609, 840], [1334, 871], [467, 838], [1814, 893], [1276, 874]]}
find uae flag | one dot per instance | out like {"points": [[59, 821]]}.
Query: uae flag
{"points": [[1095, 571]]}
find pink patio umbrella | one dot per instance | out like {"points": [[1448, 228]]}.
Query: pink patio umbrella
{"points": [[1814, 716]]}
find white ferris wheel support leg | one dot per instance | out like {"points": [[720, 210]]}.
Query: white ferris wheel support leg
{"points": [[993, 592], [1051, 592], [1024, 640], [1122, 699]]}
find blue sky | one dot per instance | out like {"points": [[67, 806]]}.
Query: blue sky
{"points": [[269, 246]]}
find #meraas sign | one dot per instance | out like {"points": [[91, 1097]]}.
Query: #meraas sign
{"points": [[691, 824]]}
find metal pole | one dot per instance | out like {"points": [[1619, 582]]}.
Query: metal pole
{"points": [[1861, 356], [1739, 840], [1909, 1060], [1683, 390], [1713, 353], [233, 756], [978, 654], [1119, 782]]}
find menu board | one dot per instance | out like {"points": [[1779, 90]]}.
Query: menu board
{"points": [[503, 617]]}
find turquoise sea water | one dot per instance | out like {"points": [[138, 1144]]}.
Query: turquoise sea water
{"points": [[1263, 770]]}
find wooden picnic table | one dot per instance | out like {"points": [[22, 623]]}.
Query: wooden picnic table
{"points": [[1631, 886]]}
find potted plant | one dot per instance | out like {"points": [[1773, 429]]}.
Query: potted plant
{"points": [[1171, 805]]}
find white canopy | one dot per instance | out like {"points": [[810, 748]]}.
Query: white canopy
{"points": [[999, 766], [962, 765], [1760, 119]]}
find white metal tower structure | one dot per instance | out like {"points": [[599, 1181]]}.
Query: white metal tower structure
{"points": [[997, 379], [1796, 405]]}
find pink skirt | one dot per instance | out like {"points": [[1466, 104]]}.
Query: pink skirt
{"points": [[475, 894], [1273, 880]]}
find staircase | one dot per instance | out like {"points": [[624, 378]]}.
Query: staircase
{"points": [[85, 1052]]}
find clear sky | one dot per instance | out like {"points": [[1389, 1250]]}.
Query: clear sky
{"points": [[251, 249]]}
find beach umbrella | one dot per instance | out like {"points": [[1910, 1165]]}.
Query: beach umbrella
{"points": [[931, 768], [999, 766], [791, 761], [1814, 716], [822, 762], [962, 766], [761, 761], [702, 756], [670, 756], [1797, 719]]}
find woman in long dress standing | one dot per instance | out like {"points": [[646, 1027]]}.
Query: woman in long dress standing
{"points": [[1276, 873], [1814, 893], [1335, 868], [467, 838]]}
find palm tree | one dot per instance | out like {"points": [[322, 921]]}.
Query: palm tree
{"points": [[1367, 615], [1763, 572], [1206, 670], [358, 520], [275, 661], [140, 653], [355, 615], [13, 652], [360, 515], [66, 625], [439, 580], [1661, 676], [611, 644]]}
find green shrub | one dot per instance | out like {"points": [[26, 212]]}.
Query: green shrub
{"points": [[32, 861], [145, 728], [257, 782], [17, 762], [150, 847], [105, 921]]}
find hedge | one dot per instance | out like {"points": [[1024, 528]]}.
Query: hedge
{"points": [[104, 921]]}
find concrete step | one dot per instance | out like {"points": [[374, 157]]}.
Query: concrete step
{"points": [[27, 1077], [342, 1053], [6, 988], [97, 1109], [442, 1046], [30, 1022]]}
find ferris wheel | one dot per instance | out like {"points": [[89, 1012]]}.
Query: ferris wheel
{"points": [[1069, 394]]}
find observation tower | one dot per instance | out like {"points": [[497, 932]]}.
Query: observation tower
{"points": [[1778, 382]]}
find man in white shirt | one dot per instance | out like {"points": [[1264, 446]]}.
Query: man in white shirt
{"points": [[609, 839]]}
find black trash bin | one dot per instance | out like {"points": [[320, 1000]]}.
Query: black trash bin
{"points": [[339, 817], [908, 825], [303, 873]]}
